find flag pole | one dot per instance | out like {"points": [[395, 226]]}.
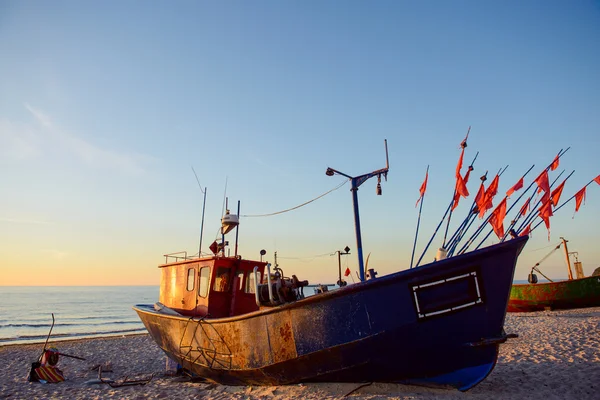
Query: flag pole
{"points": [[412, 257], [514, 221], [435, 232], [463, 145], [465, 221], [565, 202], [560, 154], [482, 225], [531, 216], [490, 232]]}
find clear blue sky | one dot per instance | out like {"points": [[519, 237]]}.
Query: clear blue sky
{"points": [[105, 106]]}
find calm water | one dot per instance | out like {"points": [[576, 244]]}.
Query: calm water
{"points": [[79, 311]]}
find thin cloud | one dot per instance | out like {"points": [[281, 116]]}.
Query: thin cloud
{"points": [[42, 118], [89, 153]]}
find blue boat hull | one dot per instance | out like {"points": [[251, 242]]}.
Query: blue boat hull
{"points": [[438, 324]]}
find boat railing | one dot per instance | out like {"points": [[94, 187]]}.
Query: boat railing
{"points": [[177, 256]]}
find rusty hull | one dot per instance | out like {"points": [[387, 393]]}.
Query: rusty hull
{"points": [[576, 293]]}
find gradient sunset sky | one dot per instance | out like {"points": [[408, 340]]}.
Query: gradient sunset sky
{"points": [[106, 106]]}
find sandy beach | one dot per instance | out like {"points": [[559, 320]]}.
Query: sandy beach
{"points": [[556, 356]]}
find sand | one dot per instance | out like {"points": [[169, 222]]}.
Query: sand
{"points": [[556, 356]]}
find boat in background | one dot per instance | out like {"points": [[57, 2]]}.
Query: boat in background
{"points": [[236, 321], [576, 292]]}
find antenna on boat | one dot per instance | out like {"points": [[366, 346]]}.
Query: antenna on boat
{"points": [[237, 231], [203, 208], [356, 181]]}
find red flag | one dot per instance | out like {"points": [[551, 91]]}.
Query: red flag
{"points": [[545, 212], [525, 207], [542, 182], [460, 190], [423, 188], [579, 197], [526, 231], [493, 188], [555, 163], [461, 187], [468, 174], [347, 272], [545, 197], [497, 219], [557, 192], [455, 201], [516, 187], [597, 179], [491, 191], [460, 163], [480, 195]]}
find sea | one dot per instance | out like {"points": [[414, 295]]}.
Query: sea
{"points": [[79, 311]]}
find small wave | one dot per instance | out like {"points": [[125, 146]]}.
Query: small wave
{"points": [[64, 324], [67, 336]]}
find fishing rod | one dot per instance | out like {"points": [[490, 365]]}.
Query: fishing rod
{"points": [[422, 199]]}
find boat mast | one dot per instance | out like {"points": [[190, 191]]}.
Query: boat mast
{"points": [[567, 256], [356, 181]]}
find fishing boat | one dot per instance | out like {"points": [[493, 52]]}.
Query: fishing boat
{"points": [[241, 321], [576, 292]]}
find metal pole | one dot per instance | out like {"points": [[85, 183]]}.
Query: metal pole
{"points": [[339, 269], [412, 257], [356, 182], [361, 268], [237, 232], [567, 255], [202, 224]]}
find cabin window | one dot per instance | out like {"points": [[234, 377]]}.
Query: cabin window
{"points": [[240, 276], [222, 280], [204, 281], [191, 280], [250, 282]]}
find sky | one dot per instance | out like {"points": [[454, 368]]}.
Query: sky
{"points": [[105, 108]]}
